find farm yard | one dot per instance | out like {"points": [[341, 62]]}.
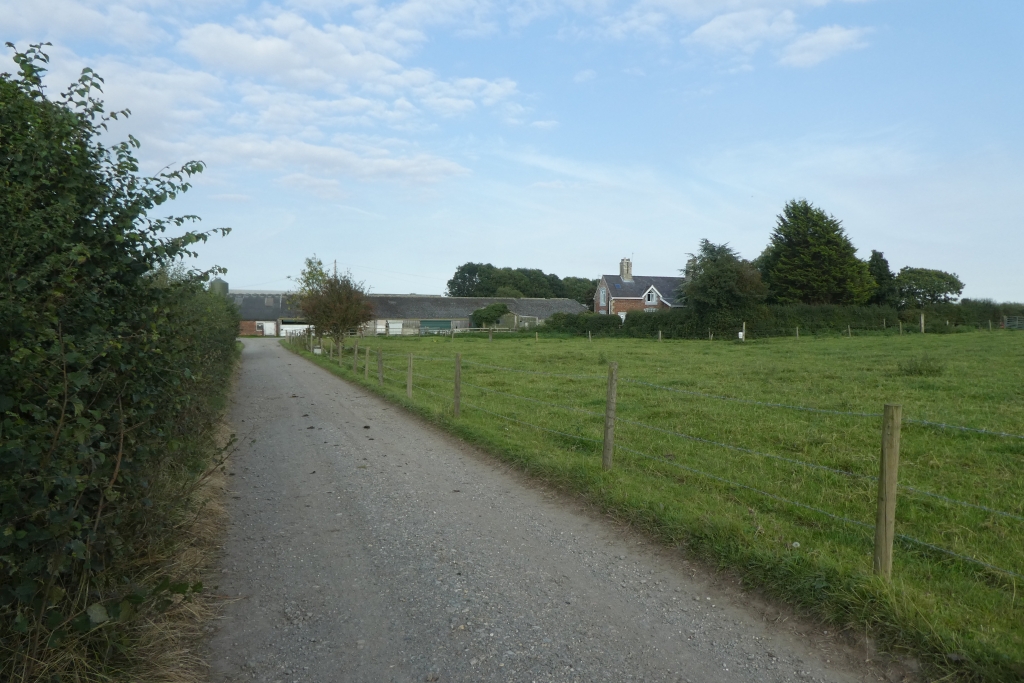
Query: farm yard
{"points": [[764, 458]]}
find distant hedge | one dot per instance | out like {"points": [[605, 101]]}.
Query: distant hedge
{"points": [[770, 321], [112, 362]]}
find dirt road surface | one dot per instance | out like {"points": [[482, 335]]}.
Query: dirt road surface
{"points": [[366, 545]]}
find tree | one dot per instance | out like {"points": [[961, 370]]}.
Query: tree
{"points": [[344, 306], [717, 279], [332, 304], [483, 279], [811, 260], [309, 297], [920, 286], [886, 294], [580, 289], [488, 316]]}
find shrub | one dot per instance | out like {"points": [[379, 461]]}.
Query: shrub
{"points": [[110, 364]]}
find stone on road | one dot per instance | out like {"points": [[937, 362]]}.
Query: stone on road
{"points": [[367, 545]]}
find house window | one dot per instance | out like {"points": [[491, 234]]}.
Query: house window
{"points": [[651, 297], [604, 296]]}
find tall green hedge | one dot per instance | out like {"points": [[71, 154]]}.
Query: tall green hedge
{"points": [[782, 320], [110, 365]]}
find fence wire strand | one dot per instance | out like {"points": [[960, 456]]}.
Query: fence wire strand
{"points": [[729, 482], [748, 401], [840, 518], [741, 449]]}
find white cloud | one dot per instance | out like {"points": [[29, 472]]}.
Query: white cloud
{"points": [[745, 31], [545, 125], [359, 158], [584, 76], [813, 48], [61, 20], [324, 188]]}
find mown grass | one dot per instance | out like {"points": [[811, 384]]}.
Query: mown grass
{"points": [[957, 616]]}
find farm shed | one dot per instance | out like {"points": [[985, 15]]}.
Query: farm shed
{"points": [[405, 314]]}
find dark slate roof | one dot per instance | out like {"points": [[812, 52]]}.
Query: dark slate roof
{"points": [[274, 305], [417, 307], [263, 305], [666, 286]]}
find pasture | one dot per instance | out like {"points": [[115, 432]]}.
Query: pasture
{"points": [[764, 456]]}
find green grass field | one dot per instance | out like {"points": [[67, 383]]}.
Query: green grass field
{"points": [[739, 488]]}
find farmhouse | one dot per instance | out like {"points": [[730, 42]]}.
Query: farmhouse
{"points": [[618, 294], [274, 313]]}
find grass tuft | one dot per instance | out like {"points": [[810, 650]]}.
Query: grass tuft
{"points": [[923, 366]]}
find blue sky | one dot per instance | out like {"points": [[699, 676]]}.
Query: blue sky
{"points": [[405, 138]]}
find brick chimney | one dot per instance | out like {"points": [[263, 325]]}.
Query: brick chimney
{"points": [[626, 270]]}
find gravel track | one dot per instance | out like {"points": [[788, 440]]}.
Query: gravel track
{"points": [[366, 545]]}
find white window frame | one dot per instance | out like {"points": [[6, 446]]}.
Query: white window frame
{"points": [[651, 297], [604, 296]]}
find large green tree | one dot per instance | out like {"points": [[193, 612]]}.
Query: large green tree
{"points": [[811, 260], [887, 293], [921, 286], [717, 279]]}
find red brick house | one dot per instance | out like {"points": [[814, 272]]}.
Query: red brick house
{"points": [[618, 294]]}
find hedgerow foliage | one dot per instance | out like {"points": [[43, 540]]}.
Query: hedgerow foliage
{"points": [[774, 321], [108, 370]]}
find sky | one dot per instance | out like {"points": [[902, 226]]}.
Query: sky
{"points": [[402, 139]]}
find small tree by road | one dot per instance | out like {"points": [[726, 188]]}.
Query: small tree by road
{"points": [[332, 304]]}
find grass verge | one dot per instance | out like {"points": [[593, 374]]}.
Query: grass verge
{"points": [[957, 616]]}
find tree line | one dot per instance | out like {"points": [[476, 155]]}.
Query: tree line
{"points": [[809, 260], [484, 279]]}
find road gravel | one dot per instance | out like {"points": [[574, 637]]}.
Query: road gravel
{"points": [[367, 545]]}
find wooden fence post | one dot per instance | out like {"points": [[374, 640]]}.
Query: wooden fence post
{"points": [[744, 330], [659, 335], [849, 333], [901, 327], [797, 331], [885, 522], [490, 335], [591, 339], [458, 383], [380, 366], [922, 323], [408, 380], [366, 364], [989, 325], [536, 336], [609, 417], [355, 357]]}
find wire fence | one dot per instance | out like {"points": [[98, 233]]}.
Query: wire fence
{"points": [[441, 388]]}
